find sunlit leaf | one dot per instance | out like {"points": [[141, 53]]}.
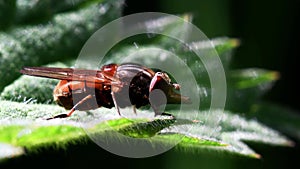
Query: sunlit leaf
{"points": [[33, 131]]}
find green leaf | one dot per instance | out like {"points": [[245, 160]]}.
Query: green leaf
{"points": [[220, 129], [247, 86], [246, 78], [279, 117], [29, 12], [146, 129], [7, 13], [32, 89], [12, 58]]}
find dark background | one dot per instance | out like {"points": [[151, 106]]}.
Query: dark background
{"points": [[268, 31], [269, 34]]}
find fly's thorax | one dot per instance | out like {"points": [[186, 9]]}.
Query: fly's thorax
{"points": [[134, 89], [62, 89]]}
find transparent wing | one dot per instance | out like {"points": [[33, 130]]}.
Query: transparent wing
{"points": [[70, 74]]}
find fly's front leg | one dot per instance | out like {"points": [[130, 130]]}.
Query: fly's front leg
{"points": [[159, 113], [115, 102], [64, 115], [134, 109]]}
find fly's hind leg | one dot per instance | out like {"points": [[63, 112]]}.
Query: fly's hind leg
{"points": [[64, 115]]}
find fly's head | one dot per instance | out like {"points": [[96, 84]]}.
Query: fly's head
{"points": [[163, 82]]}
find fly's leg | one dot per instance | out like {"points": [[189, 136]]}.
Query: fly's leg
{"points": [[159, 113], [115, 102], [72, 110], [156, 111], [134, 109], [157, 98]]}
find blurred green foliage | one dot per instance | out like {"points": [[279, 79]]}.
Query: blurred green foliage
{"points": [[59, 38]]}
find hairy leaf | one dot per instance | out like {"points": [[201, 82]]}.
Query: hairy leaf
{"points": [[28, 128]]}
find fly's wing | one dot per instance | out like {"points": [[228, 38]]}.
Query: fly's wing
{"points": [[70, 74]]}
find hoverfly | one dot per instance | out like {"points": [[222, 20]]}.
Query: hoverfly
{"points": [[113, 85]]}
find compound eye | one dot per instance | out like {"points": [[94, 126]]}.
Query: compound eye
{"points": [[155, 80], [159, 73]]}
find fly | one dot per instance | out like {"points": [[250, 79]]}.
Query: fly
{"points": [[113, 85]]}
